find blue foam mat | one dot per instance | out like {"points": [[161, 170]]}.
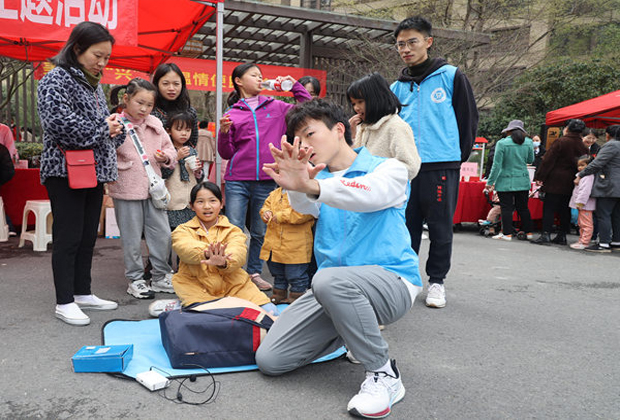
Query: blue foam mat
{"points": [[148, 351]]}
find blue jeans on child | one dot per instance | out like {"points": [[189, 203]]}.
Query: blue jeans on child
{"points": [[294, 274], [240, 194]]}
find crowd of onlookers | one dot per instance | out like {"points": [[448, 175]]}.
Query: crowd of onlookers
{"points": [[573, 173], [335, 205]]}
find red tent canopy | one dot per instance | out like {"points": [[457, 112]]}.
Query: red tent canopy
{"points": [[163, 27], [596, 112]]}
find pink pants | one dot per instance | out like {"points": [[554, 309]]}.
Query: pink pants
{"points": [[494, 213], [496, 209], [586, 226]]}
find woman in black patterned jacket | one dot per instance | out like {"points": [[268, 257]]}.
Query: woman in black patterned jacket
{"points": [[74, 115]]}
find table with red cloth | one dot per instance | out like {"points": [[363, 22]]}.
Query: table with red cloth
{"points": [[472, 204], [24, 186]]}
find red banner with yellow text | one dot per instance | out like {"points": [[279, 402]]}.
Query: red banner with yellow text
{"points": [[200, 74]]}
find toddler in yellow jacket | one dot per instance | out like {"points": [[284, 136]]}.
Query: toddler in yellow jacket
{"points": [[287, 247]]}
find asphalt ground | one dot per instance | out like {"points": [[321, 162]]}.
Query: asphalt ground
{"points": [[529, 332]]}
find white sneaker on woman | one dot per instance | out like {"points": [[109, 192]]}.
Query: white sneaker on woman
{"points": [[94, 303], [502, 236], [72, 314]]}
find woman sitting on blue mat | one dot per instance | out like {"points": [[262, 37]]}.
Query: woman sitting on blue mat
{"points": [[212, 252]]}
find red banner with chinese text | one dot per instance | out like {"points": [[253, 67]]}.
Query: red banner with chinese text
{"points": [[200, 74], [53, 20]]}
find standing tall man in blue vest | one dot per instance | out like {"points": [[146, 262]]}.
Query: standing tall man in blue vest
{"points": [[441, 110]]}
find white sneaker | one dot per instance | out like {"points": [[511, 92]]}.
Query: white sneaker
{"points": [[94, 303], [377, 394], [502, 236], [163, 285], [72, 314], [140, 290], [163, 305], [578, 245], [436, 297]]}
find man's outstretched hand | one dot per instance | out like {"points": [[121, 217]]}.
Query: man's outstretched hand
{"points": [[291, 169]]}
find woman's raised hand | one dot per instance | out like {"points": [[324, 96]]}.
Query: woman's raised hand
{"points": [[114, 125]]}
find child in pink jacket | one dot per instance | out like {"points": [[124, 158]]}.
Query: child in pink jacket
{"points": [[585, 204], [134, 210]]}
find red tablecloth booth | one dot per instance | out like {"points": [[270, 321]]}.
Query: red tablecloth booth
{"points": [[472, 204], [24, 186]]}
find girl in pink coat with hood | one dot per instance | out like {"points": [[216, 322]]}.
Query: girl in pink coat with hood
{"points": [[133, 207], [585, 204], [252, 122]]}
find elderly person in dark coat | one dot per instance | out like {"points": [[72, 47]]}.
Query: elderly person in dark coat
{"points": [[606, 189], [556, 174]]}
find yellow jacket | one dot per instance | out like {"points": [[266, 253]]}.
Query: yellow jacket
{"points": [[196, 282], [289, 239]]}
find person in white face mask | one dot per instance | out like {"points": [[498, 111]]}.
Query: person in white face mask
{"points": [[539, 150]]}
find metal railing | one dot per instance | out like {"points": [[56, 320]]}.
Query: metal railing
{"points": [[20, 113]]}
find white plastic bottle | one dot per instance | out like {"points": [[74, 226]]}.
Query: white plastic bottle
{"points": [[284, 86]]}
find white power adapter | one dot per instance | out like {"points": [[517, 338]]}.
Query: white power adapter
{"points": [[152, 380]]}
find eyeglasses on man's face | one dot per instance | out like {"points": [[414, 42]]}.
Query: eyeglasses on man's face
{"points": [[410, 43]]}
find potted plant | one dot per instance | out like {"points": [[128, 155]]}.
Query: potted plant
{"points": [[30, 152]]}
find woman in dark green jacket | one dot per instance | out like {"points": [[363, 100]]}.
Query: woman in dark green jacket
{"points": [[510, 178]]}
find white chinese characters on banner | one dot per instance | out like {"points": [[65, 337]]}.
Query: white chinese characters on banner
{"points": [[7, 13], [37, 11], [68, 12], [106, 15]]}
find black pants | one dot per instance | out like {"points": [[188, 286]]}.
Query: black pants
{"points": [[74, 232], [556, 203], [433, 199], [608, 216], [509, 201]]}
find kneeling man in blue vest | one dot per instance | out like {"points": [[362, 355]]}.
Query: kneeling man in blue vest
{"points": [[367, 271]]}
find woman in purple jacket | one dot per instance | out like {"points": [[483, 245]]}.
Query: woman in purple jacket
{"points": [[246, 129]]}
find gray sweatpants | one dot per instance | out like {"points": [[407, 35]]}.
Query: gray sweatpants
{"points": [[344, 306], [133, 218]]}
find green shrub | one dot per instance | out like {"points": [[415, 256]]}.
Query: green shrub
{"points": [[28, 150]]}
